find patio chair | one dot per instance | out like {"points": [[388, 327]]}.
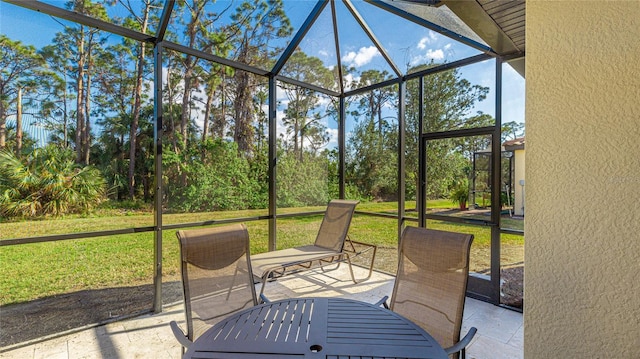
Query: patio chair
{"points": [[332, 246], [431, 284], [216, 277]]}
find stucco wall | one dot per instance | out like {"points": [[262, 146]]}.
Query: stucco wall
{"points": [[582, 251]]}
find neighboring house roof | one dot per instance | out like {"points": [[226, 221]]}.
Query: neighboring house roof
{"points": [[33, 126], [515, 144]]}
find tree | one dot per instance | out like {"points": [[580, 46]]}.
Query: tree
{"points": [[196, 24], [256, 24], [149, 8], [301, 118], [448, 98], [373, 144], [512, 130], [58, 106], [76, 49], [20, 67]]}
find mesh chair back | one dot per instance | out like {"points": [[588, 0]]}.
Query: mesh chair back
{"points": [[335, 224], [216, 275], [431, 281]]}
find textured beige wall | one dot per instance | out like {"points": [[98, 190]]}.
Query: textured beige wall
{"points": [[582, 252]]}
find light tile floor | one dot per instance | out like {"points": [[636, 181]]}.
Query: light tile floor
{"points": [[500, 331]]}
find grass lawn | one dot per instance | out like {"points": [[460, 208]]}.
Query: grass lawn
{"points": [[32, 271]]}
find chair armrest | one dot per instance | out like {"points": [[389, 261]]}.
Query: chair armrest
{"points": [[264, 299], [179, 334], [459, 346], [382, 301]]}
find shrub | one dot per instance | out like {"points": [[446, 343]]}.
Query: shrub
{"points": [[47, 182]]}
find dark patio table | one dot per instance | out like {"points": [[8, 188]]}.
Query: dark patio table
{"points": [[329, 328]]}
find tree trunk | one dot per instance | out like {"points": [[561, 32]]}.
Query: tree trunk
{"points": [[219, 122], [19, 125], [65, 119], [242, 134], [205, 125], [3, 126], [133, 133], [3, 132], [86, 136], [80, 99]]}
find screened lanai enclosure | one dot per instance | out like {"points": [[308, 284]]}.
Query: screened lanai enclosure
{"points": [[154, 116]]}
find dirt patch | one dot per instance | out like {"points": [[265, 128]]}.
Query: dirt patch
{"points": [[27, 321], [512, 286]]}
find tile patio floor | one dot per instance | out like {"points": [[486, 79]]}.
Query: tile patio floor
{"points": [[500, 331]]}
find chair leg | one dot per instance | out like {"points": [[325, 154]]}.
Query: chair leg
{"points": [[373, 257]]}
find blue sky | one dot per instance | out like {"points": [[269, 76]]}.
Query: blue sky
{"points": [[406, 43]]}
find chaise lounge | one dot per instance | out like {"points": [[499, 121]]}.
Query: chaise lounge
{"points": [[331, 246]]}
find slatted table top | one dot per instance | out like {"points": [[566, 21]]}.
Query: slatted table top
{"points": [[329, 328]]}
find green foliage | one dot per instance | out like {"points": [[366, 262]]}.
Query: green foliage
{"points": [[302, 183], [448, 98], [460, 193], [512, 130], [47, 183], [219, 181]]}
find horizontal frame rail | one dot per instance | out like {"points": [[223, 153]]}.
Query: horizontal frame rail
{"points": [[81, 235]]}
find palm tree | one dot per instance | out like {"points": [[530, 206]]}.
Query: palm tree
{"points": [[47, 183]]}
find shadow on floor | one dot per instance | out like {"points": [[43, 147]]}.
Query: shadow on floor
{"points": [[23, 322]]}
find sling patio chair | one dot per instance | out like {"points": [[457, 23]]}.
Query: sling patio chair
{"points": [[332, 246], [216, 277], [431, 284]]}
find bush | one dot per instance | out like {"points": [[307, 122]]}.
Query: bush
{"points": [[47, 183], [219, 180]]}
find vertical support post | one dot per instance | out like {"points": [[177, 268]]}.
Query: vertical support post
{"points": [[402, 91], [157, 145], [341, 146], [272, 162], [421, 190], [496, 177]]}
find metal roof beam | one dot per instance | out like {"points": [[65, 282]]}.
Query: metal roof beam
{"points": [[450, 65], [307, 86], [207, 56], [373, 87], [311, 19], [164, 19], [336, 39], [82, 19], [435, 27], [367, 30]]}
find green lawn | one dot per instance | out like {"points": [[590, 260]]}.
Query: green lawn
{"points": [[32, 271]]}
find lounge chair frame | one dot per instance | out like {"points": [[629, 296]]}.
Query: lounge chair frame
{"points": [[332, 246]]}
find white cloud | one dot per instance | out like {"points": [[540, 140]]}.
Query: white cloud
{"points": [[425, 57], [435, 54], [431, 38], [362, 57], [422, 44]]}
